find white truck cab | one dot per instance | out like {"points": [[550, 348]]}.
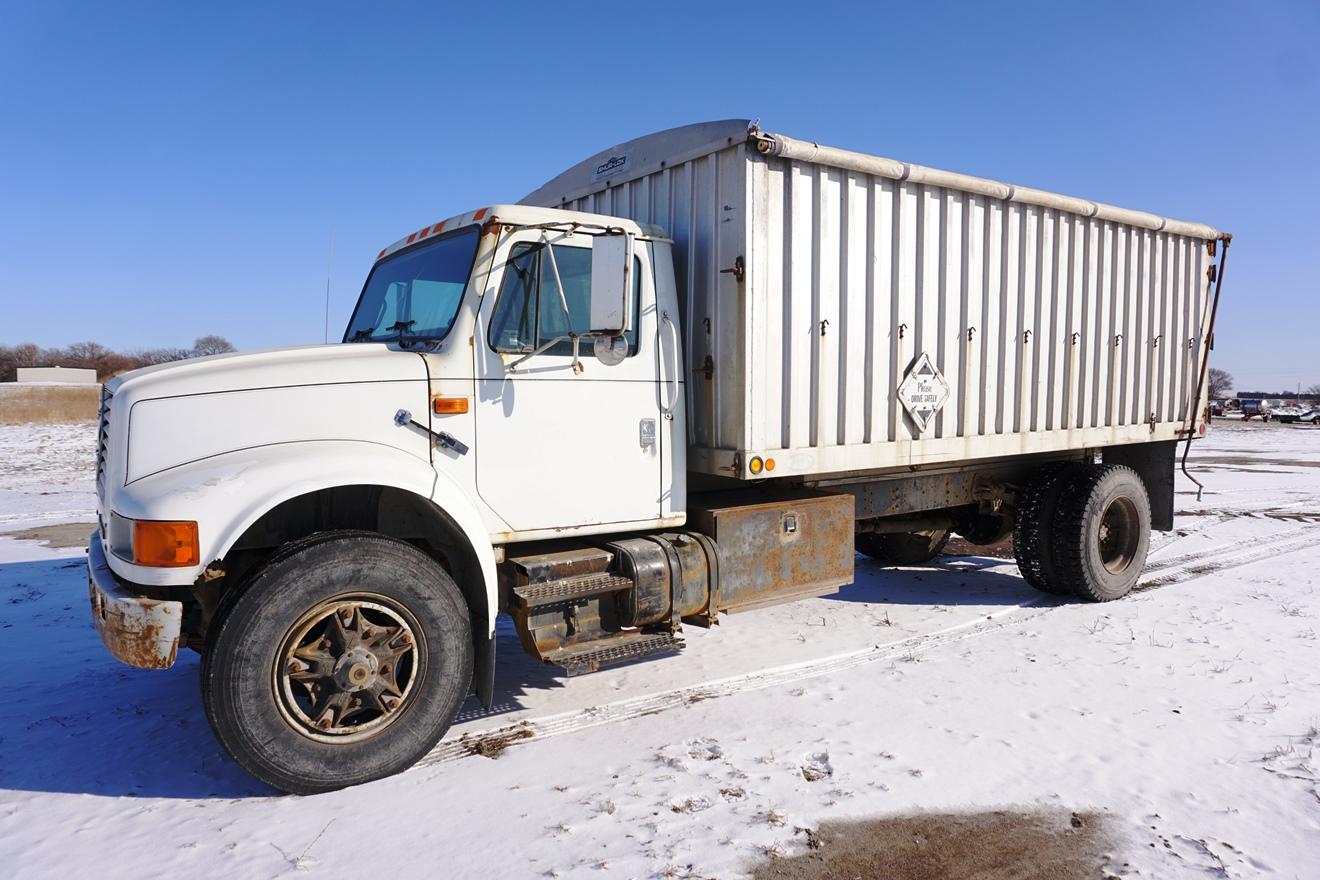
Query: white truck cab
{"points": [[767, 355]]}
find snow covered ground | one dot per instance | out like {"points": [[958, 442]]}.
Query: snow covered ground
{"points": [[1186, 717]]}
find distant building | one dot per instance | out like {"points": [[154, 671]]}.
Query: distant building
{"points": [[60, 375]]}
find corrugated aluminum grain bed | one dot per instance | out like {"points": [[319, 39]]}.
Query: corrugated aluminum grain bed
{"points": [[813, 279]]}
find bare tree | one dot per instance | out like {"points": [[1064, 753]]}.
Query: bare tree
{"points": [[1221, 383], [1313, 389], [152, 356], [206, 345]]}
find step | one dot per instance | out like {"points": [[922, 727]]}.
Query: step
{"points": [[564, 562], [591, 656], [580, 586]]}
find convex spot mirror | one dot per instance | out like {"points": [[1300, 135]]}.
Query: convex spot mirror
{"points": [[611, 350], [611, 284]]}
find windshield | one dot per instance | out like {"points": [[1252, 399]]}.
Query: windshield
{"points": [[415, 295]]}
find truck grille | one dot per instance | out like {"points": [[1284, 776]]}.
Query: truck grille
{"points": [[102, 442]]}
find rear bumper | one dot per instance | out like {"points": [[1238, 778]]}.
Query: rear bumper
{"points": [[136, 630]]}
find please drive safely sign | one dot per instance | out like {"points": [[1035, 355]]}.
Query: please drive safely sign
{"points": [[923, 392]]}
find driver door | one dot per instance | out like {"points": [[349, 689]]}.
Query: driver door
{"points": [[559, 445]]}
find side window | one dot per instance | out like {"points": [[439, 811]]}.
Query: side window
{"points": [[529, 311], [513, 326]]}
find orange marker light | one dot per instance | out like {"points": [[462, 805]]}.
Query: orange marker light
{"points": [[769, 464], [480, 214], [165, 544], [449, 406]]}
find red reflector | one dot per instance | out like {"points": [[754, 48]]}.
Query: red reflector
{"points": [[411, 238], [438, 226]]}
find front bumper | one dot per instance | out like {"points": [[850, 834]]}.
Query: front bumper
{"points": [[136, 630]]}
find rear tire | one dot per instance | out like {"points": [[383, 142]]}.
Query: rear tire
{"points": [[903, 548], [341, 661], [1101, 534], [1033, 523]]}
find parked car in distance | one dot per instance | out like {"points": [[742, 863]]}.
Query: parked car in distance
{"points": [[1311, 415]]}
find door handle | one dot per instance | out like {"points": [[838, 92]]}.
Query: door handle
{"points": [[442, 438], [671, 401]]}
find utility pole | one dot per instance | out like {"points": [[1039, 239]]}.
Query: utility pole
{"points": [[329, 264]]}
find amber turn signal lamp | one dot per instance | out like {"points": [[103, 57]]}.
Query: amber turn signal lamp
{"points": [[165, 544], [449, 406], [755, 465], [769, 464]]}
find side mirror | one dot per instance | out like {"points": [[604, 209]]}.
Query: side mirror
{"points": [[611, 284]]}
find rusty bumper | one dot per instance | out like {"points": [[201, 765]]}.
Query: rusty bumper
{"points": [[138, 631]]}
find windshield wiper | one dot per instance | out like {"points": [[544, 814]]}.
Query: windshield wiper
{"points": [[401, 326], [363, 335]]}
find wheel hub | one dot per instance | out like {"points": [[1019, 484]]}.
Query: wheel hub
{"points": [[347, 668], [356, 670], [1118, 535]]}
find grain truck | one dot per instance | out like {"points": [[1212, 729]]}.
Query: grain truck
{"points": [[693, 374]]}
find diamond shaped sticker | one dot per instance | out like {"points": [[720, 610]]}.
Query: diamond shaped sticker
{"points": [[923, 392]]}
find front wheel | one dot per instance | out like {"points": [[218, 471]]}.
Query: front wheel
{"points": [[341, 661]]}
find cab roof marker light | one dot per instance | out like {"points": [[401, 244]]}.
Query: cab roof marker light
{"points": [[480, 214]]}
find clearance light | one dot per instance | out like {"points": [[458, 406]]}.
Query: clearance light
{"points": [[769, 464], [755, 465], [449, 406], [163, 544], [480, 214]]}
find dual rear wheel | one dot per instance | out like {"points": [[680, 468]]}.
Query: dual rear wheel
{"points": [[1083, 530]]}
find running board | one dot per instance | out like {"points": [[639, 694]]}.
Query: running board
{"points": [[567, 589], [590, 656]]}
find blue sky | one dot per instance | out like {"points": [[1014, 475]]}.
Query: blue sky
{"points": [[172, 170]]}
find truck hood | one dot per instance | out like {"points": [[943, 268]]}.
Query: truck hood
{"points": [[163, 417], [272, 368]]}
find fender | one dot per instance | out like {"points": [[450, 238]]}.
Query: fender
{"points": [[227, 493]]}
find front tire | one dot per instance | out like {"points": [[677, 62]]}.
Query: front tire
{"points": [[341, 661], [1102, 533]]}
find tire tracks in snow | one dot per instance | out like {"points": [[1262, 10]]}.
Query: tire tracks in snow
{"points": [[650, 704], [1191, 566], [1174, 570]]}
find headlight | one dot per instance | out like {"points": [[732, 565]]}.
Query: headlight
{"points": [[158, 543]]}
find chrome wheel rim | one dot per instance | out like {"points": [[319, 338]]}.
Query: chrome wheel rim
{"points": [[348, 668], [1119, 535]]}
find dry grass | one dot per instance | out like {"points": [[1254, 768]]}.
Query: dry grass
{"points": [[48, 404], [999, 845], [492, 745]]}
